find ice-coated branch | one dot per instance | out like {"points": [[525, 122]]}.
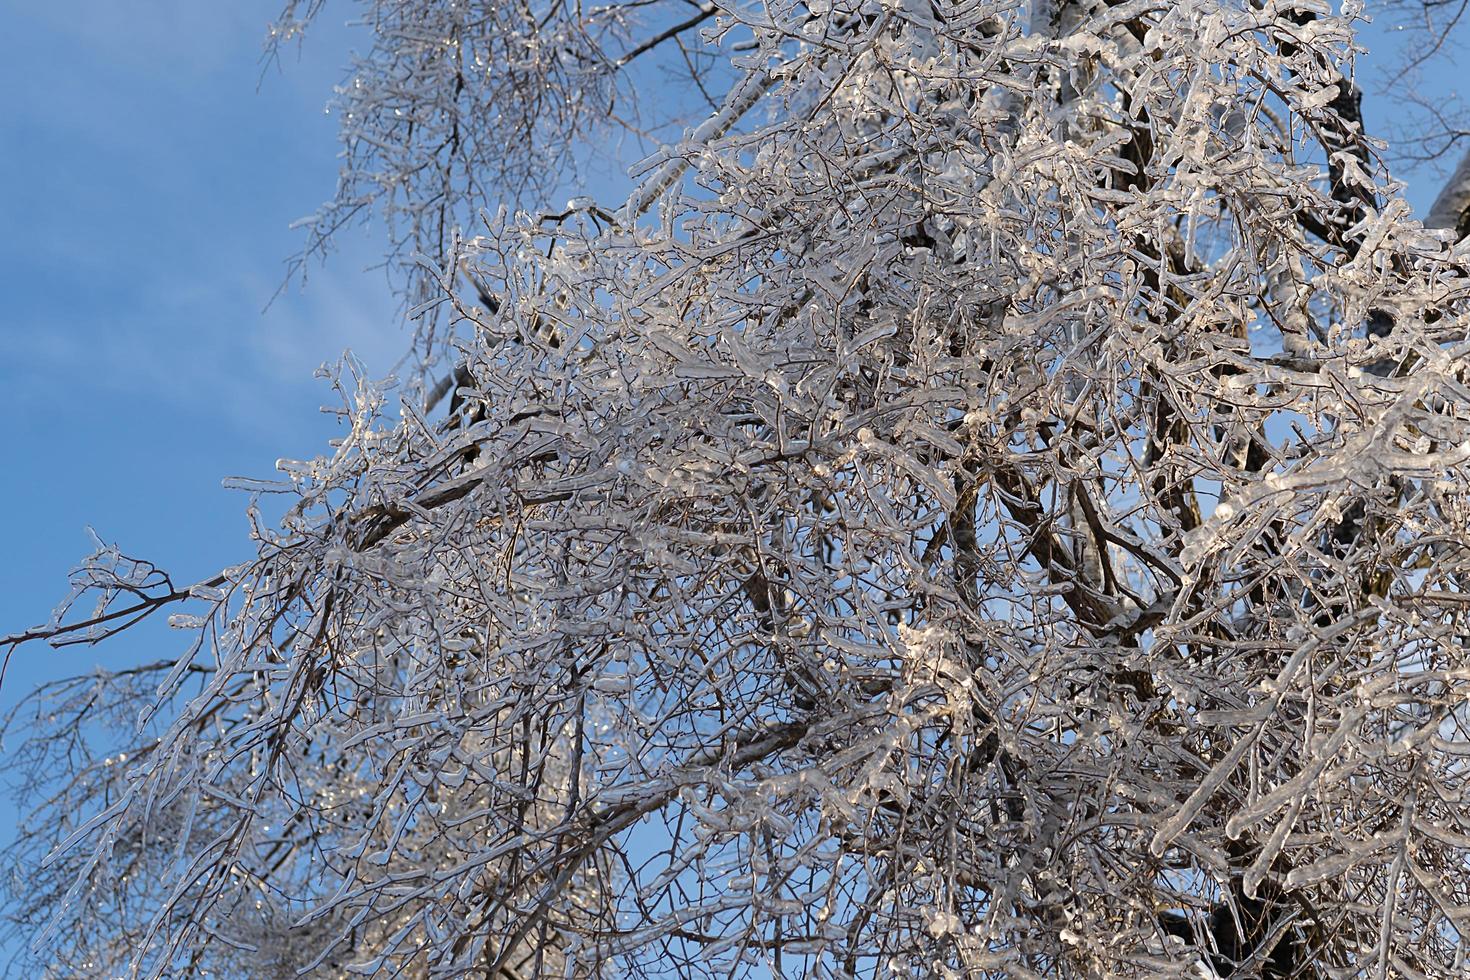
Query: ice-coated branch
{"points": [[1005, 518]]}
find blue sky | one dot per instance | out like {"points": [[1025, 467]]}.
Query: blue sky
{"points": [[150, 173]]}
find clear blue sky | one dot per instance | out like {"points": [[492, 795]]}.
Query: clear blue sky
{"points": [[150, 173], [148, 184]]}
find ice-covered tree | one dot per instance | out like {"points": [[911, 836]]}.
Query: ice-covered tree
{"points": [[992, 501]]}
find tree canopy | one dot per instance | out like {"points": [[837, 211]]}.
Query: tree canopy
{"points": [[991, 502]]}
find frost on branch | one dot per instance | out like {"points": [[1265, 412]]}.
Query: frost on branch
{"points": [[992, 503]]}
